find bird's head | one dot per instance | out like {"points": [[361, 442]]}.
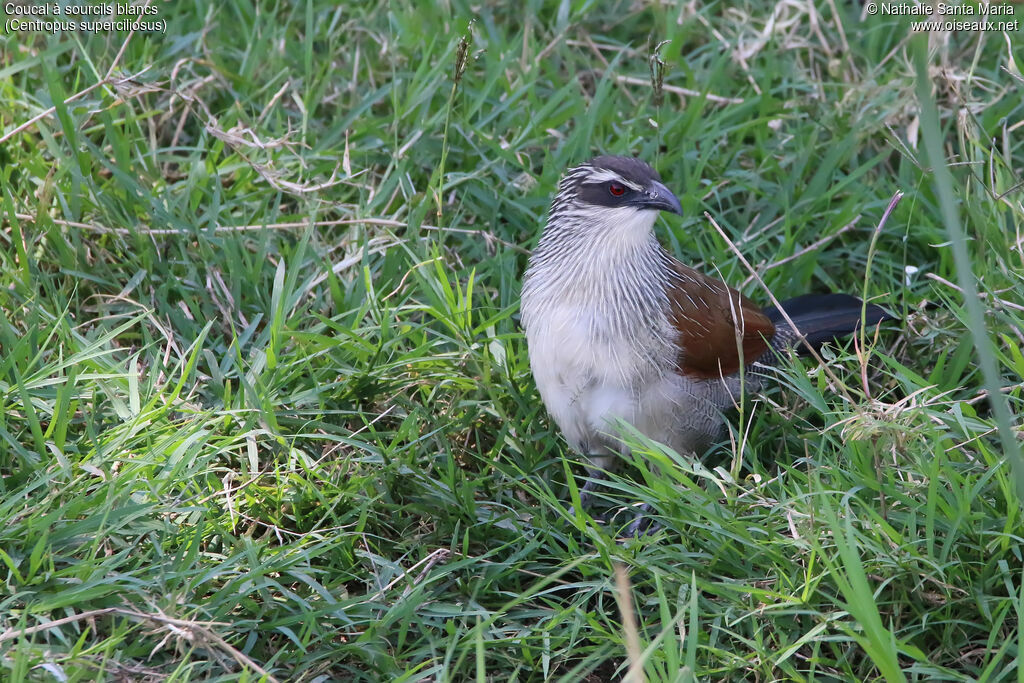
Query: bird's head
{"points": [[614, 189]]}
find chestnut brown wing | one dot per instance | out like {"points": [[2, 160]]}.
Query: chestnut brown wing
{"points": [[704, 312]]}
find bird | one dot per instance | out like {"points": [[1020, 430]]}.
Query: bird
{"points": [[619, 330]]}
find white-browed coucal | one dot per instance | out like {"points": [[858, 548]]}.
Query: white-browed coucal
{"points": [[619, 329]]}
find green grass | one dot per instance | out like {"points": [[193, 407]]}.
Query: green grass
{"points": [[265, 407]]}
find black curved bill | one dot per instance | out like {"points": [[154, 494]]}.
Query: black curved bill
{"points": [[659, 198]]}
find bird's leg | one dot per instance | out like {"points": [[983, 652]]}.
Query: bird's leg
{"points": [[596, 472], [600, 465], [594, 480], [642, 523]]}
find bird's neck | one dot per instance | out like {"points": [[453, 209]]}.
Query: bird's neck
{"points": [[613, 263]]}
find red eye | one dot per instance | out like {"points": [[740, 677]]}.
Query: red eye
{"points": [[616, 189]]}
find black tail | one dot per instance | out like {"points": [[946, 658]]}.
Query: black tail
{"points": [[822, 318]]}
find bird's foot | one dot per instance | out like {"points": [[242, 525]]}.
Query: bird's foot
{"points": [[585, 507], [585, 496], [643, 523]]}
